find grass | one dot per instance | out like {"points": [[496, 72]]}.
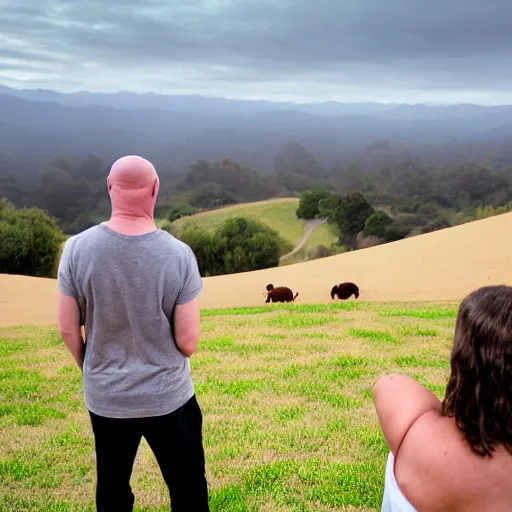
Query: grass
{"points": [[279, 214], [426, 312], [291, 307], [286, 394], [373, 335]]}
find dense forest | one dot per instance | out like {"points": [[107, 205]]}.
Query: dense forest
{"points": [[428, 198]]}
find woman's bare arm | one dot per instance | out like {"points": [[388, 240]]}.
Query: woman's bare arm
{"points": [[400, 401]]}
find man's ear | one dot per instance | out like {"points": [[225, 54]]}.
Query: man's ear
{"points": [[109, 185], [156, 187]]}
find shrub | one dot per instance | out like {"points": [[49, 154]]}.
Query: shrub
{"points": [[436, 225], [167, 225], [204, 246], [247, 244], [395, 232], [428, 210], [409, 205], [317, 252], [30, 241], [484, 212], [377, 224], [238, 245], [309, 203], [179, 210]]}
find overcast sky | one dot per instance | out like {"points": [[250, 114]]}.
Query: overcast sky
{"points": [[446, 51]]}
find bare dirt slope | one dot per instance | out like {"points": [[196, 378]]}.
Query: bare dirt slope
{"points": [[440, 266]]}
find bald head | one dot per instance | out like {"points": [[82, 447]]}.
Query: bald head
{"points": [[132, 172], [133, 187]]}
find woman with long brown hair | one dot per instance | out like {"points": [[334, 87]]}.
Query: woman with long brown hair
{"points": [[455, 455]]}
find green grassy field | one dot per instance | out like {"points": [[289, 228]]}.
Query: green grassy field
{"points": [[289, 423], [278, 214]]}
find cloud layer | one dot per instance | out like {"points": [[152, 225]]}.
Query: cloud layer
{"points": [[304, 50]]}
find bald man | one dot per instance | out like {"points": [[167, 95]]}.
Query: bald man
{"points": [[134, 288]]}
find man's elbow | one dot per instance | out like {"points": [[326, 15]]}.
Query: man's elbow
{"points": [[64, 329], [187, 345]]}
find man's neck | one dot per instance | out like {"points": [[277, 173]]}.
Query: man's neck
{"points": [[131, 225]]}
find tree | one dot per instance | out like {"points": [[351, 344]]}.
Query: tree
{"points": [[294, 158], [210, 195], [61, 195], [329, 207], [18, 193], [30, 241], [349, 213], [376, 224], [247, 244], [92, 170], [436, 225], [463, 201], [352, 176], [395, 231], [238, 245], [309, 203], [179, 210], [84, 221], [206, 248]]}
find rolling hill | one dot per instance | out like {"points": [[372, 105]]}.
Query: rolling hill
{"points": [[278, 214], [440, 266]]}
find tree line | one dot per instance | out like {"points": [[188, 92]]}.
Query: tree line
{"points": [[31, 243], [74, 192], [352, 214], [362, 201]]}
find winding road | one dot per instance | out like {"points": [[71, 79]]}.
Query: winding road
{"points": [[310, 226]]}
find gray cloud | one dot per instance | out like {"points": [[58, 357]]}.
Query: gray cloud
{"points": [[392, 50]]}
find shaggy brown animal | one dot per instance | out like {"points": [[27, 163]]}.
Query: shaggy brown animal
{"points": [[345, 291], [280, 294]]}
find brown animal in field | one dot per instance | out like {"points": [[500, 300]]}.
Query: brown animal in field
{"points": [[280, 294], [345, 291]]}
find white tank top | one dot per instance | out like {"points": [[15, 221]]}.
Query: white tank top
{"points": [[393, 499]]}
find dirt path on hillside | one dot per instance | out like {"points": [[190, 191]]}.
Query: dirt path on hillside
{"points": [[310, 226]]}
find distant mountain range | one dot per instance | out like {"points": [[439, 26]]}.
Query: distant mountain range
{"points": [[204, 105], [178, 130]]}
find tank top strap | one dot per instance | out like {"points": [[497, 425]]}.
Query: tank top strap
{"points": [[393, 499]]}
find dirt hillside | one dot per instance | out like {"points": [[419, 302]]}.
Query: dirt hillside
{"points": [[440, 266]]}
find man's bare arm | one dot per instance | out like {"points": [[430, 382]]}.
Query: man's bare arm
{"points": [[400, 401], [187, 327], [68, 324]]}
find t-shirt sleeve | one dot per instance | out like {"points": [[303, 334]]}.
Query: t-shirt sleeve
{"points": [[65, 277], [192, 283]]}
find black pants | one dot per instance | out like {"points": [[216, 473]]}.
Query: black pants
{"points": [[176, 441]]}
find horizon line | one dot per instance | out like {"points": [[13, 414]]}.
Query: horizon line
{"points": [[250, 100]]}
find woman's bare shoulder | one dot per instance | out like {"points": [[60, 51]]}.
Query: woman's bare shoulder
{"points": [[435, 456]]}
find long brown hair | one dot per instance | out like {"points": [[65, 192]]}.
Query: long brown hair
{"points": [[479, 390]]}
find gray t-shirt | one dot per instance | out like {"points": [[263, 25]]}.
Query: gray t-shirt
{"points": [[127, 288]]}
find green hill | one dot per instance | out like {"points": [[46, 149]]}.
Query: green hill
{"points": [[279, 214]]}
